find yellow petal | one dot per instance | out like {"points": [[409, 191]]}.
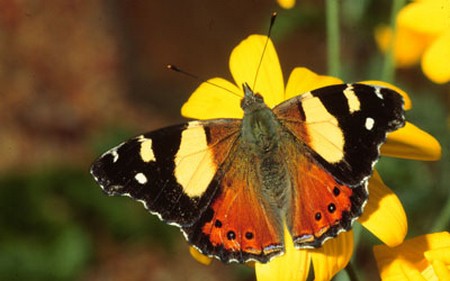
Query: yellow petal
{"points": [[441, 270], [333, 256], [437, 240], [286, 4], [244, 62], [405, 96], [406, 260], [410, 142], [409, 45], [423, 245], [200, 257], [411, 274], [429, 17], [292, 266], [214, 99], [429, 274], [384, 215], [442, 253], [394, 265], [436, 60], [303, 80]]}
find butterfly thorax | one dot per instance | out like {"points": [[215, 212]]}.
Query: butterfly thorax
{"points": [[260, 139]]}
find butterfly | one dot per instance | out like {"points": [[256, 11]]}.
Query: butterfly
{"points": [[231, 185]]}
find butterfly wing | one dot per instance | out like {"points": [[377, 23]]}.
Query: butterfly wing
{"points": [[321, 207], [239, 225], [343, 126], [336, 133], [195, 177], [172, 171]]}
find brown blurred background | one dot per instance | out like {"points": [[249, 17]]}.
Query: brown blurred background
{"points": [[77, 77]]}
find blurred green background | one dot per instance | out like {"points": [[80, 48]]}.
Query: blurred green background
{"points": [[78, 77]]}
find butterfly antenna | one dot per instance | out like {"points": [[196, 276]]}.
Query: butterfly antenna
{"points": [[179, 70], [272, 22]]}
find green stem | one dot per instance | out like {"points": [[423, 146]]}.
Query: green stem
{"points": [[388, 72], [442, 222], [351, 272], [334, 64]]}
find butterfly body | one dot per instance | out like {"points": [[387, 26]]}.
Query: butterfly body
{"points": [[234, 185], [261, 142]]}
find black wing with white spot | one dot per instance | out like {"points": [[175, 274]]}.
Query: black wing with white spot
{"points": [[172, 171], [343, 126]]}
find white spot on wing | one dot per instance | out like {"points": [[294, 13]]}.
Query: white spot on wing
{"points": [[378, 92], [140, 178], [369, 123], [146, 150], [115, 155], [352, 99], [113, 152]]}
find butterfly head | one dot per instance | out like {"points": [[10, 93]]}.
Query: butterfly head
{"points": [[252, 101]]}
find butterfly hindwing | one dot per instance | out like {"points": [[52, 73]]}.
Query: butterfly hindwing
{"points": [[172, 170], [321, 207], [238, 225]]}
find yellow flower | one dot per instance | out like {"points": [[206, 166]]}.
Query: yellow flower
{"points": [[383, 216], [425, 257], [423, 34], [286, 4]]}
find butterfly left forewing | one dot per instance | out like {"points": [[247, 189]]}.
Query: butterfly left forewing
{"points": [[333, 136], [171, 170], [343, 126]]}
